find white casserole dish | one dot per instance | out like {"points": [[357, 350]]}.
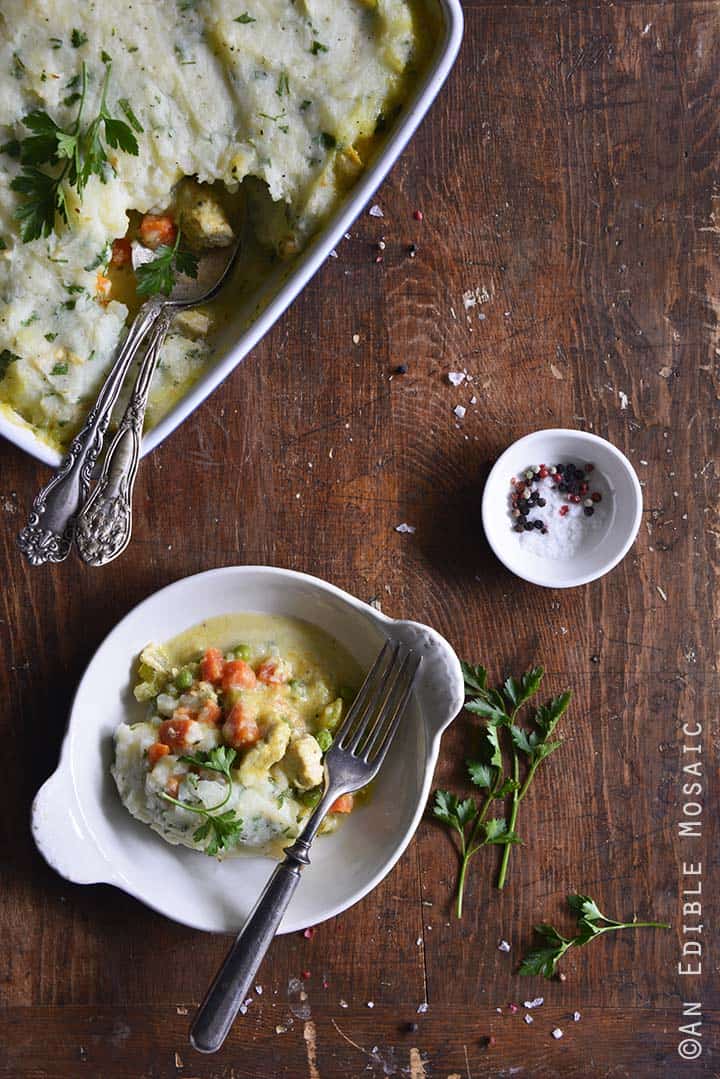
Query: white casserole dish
{"points": [[234, 344], [85, 833]]}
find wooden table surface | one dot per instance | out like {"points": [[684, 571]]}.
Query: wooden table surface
{"points": [[568, 173]]}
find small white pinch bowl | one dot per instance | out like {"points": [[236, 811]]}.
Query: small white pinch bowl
{"points": [[621, 507], [85, 833]]}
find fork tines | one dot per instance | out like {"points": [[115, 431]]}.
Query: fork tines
{"points": [[373, 720]]}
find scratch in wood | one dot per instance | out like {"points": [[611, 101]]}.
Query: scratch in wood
{"points": [[467, 1062], [417, 1067], [310, 1036]]}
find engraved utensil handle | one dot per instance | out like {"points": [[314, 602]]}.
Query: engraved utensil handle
{"points": [[217, 1013], [104, 524], [48, 535]]}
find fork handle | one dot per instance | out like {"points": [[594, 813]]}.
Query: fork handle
{"points": [[49, 533], [232, 983], [104, 524]]}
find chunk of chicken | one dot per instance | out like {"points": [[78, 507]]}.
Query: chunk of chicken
{"points": [[203, 220], [260, 759], [302, 762]]}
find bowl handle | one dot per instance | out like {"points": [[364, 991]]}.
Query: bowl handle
{"points": [[440, 681], [61, 834]]}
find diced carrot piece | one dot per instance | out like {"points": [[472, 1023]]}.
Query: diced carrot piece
{"points": [[237, 674], [156, 229], [240, 729], [273, 672], [103, 287], [174, 732], [156, 751], [173, 785], [211, 665], [210, 712], [343, 804], [121, 252]]}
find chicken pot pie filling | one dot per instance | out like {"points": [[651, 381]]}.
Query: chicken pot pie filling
{"points": [[132, 140], [240, 712]]}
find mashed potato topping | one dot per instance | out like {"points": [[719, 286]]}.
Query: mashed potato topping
{"points": [[287, 92], [230, 755]]}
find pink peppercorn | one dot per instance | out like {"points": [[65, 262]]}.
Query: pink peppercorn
{"points": [[418, 215], [596, 496], [564, 510]]}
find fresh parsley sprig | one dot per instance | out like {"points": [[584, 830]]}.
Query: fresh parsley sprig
{"points": [[591, 924], [222, 829], [458, 815], [74, 154], [159, 274], [501, 736]]}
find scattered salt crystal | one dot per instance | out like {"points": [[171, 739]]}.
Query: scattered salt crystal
{"points": [[333, 254], [343, 1003], [422, 1008], [661, 592], [371, 1004], [556, 372], [460, 411], [557, 1033], [348, 236], [181, 1010], [473, 400], [419, 941], [576, 1017], [623, 399], [528, 1019], [456, 378], [178, 1061], [503, 946], [281, 1029], [536, 1003], [356, 338], [243, 1009], [405, 528], [258, 990], [375, 211]]}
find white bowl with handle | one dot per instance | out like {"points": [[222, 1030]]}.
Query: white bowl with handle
{"points": [[85, 833]]}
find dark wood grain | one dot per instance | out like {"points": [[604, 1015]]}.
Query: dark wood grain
{"points": [[570, 169]]}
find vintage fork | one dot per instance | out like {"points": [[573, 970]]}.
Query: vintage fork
{"points": [[353, 760], [49, 533]]}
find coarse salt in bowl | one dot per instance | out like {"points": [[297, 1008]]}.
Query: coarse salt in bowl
{"points": [[576, 547]]}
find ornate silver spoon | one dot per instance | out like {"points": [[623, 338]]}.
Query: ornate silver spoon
{"points": [[51, 527]]}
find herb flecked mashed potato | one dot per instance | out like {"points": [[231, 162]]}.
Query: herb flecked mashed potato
{"points": [[271, 103], [240, 712]]}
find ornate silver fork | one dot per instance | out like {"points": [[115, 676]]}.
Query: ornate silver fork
{"points": [[353, 760], [51, 527]]}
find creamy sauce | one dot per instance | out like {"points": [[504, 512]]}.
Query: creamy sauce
{"points": [[294, 682]]}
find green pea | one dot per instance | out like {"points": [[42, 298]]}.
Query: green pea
{"points": [[312, 797], [331, 714], [184, 678], [242, 651], [324, 739]]}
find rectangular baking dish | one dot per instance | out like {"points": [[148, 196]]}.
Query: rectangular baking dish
{"points": [[234, 344]]}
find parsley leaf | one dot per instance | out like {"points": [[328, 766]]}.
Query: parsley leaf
{"points": [[244, 18], [591, 923], [159, 275], [6, 358], [78, 38], [220, 829], [75, 154], [317, 47], [499, 709]]}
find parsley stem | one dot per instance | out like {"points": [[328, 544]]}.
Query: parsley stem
{"points": [[513, 819], [202, 810]]}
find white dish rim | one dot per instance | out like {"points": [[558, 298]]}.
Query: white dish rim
{"points": [[317, 252], [57, 810]]}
